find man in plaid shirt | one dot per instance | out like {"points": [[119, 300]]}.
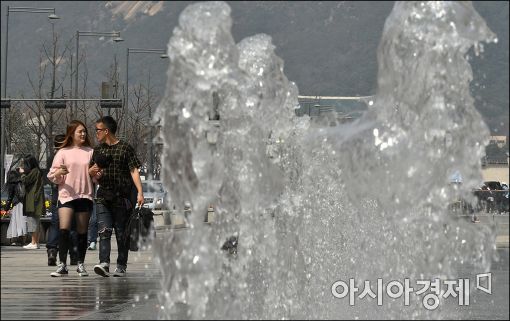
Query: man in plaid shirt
{"points": [[115, 166]]}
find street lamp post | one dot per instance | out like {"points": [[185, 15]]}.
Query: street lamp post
{"points": [[113, 34], [51, 15], [163, 55]]}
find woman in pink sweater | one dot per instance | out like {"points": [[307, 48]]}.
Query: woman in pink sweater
{"points": [[75, 192]]}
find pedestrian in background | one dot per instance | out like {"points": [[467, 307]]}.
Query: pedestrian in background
{"points": [[115, 164], [33, 204], [69, 171], [92, 233], [15, 194]]}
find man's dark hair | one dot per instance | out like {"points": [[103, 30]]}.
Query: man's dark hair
{"points": [[109, 122]]}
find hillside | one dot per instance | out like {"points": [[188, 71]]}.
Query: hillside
{"points": [[329, 48]]}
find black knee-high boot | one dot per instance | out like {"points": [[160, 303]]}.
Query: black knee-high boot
{"points": [[63, 246], [82, 247]]}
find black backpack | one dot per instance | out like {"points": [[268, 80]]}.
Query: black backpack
{"points": [[14, 189], [14, 178]]}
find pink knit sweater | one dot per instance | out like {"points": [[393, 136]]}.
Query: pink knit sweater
{"points": [[77, 183]]}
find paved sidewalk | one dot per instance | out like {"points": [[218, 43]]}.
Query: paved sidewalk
{"points": [[501, 223], [28, 292]]}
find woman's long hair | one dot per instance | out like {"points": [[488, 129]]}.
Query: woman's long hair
{"points": [[71, 128], [29, 163]]}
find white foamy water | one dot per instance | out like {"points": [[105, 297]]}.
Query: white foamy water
{"points": [[314, 205]]}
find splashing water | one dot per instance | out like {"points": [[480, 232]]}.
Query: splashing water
{"points": [[313, 205]]}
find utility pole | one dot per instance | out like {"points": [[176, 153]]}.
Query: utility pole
{"points": [[5, 144], [49, 145]]}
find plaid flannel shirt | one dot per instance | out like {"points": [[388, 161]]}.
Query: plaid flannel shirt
{"points": [[116, 177]]}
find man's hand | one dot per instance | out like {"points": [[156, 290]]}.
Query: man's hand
{"points": [[94, 170], [139, 199], [135, 175]]}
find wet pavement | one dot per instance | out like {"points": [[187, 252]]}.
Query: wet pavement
{"points": [[493, 306], [29, 293]]}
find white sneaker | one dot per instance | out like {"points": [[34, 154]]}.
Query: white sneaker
{"points": [[119, 272], [31, 246], [61, 271], [92, 246], [81, 270]]}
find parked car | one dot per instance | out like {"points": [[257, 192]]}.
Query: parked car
{"points": [[492, 197], [154, 194], [493, 185], [500, 195]]}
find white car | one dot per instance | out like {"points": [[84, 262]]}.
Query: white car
{"points": [[154, 194]]}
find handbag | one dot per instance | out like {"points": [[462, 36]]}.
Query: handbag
{"points": [[139, 228]]}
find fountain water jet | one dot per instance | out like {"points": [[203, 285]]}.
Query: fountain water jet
{"points": [[313, 205]]}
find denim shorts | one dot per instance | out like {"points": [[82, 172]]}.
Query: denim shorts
{"points": [[78, 205]]}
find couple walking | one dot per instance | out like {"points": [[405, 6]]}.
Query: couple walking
{"points": [[75, 169]]}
